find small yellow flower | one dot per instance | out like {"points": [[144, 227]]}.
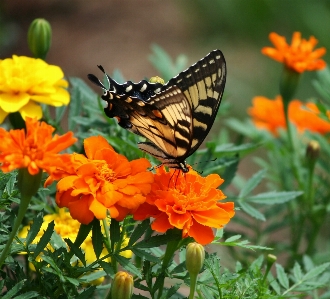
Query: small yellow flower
{"points": [[26, 82]]}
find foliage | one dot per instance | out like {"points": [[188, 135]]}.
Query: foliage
{"points": [[300, 208]]}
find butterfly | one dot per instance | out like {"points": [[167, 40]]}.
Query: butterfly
{"points": [[175, 117]]}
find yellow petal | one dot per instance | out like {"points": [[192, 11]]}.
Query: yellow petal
{"points": [[32, 110], [3, 115], [11, 102]]}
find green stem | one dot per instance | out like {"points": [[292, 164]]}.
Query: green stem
{"points": [[288, 125], [25, 201], [107, 235], [169, 252], [106, 231], [193, 282]]}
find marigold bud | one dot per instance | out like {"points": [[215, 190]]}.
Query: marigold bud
{"points": [[39, 38], [195, 255], [271, 259], [122, 286], [312, 150], [157, 79]]}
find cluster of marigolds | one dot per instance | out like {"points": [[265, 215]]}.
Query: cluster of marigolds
{"points": [[103, 182]]}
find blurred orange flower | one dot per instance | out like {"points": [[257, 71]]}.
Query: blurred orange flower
{"points": [[188, 202], [103, 181], [269, 114], [34, 148], [299, 56]]}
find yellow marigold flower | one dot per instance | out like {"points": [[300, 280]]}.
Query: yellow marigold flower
{"points": [[26, 82], [300, 56], [269, 114]]}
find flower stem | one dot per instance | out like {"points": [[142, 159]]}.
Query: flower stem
{"points": [[193, 282], [169, 252], [21, 213]]}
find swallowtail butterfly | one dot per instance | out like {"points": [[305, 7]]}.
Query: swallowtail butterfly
{"points": [[177, 116]]}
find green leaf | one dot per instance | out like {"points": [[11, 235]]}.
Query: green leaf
{"points": [[297, 272], [171, 291], [316, 271], [80, 93], [251, 210], [138, 232], [10, 186], [34, 228], [44, 240], [14, 290], [107, 268], [270, 198], [28, 295], [253, 182], [97, 238], [83, 232], [76, 251], [87, 293], [114, 233], [281, 276], [127, 264], [154, 241], [229, 173], [146, 255], [164, 64]]}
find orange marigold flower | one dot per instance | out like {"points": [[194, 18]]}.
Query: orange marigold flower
{"points": [[103, 181], [34, 148], [269, 114], [188, 202], [299, 56]]}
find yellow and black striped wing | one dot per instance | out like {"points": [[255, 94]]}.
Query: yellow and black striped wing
{"points": [[175, 117], [203, 84]]}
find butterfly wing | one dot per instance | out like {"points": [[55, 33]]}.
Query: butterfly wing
{"points": [[175, 117], [203, 84]]}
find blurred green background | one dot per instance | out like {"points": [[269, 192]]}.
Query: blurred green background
{"points": [[118, 35]]}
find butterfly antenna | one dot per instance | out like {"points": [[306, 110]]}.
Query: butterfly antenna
{"points": [[96, 81], [106, 75]]}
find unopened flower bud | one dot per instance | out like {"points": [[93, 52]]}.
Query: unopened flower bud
{"points": [[313, 150], [39, 38], [271, 259], [195, 255], [157, 79], [122, 286]]}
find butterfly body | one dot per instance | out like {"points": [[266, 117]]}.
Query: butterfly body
{"points": [[175, 117]]}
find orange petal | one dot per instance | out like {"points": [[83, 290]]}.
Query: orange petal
{"points": [[80, 211], [93, 144], [161, 224], [202, 234], [99, 210]]}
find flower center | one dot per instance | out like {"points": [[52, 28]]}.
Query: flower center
{"points": [[106, 173]]}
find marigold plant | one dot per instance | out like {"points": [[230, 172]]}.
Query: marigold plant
{"points": [[102, 182], [188, 202], [269, 114], [300, 56], [26, 82], [34, 149]]}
